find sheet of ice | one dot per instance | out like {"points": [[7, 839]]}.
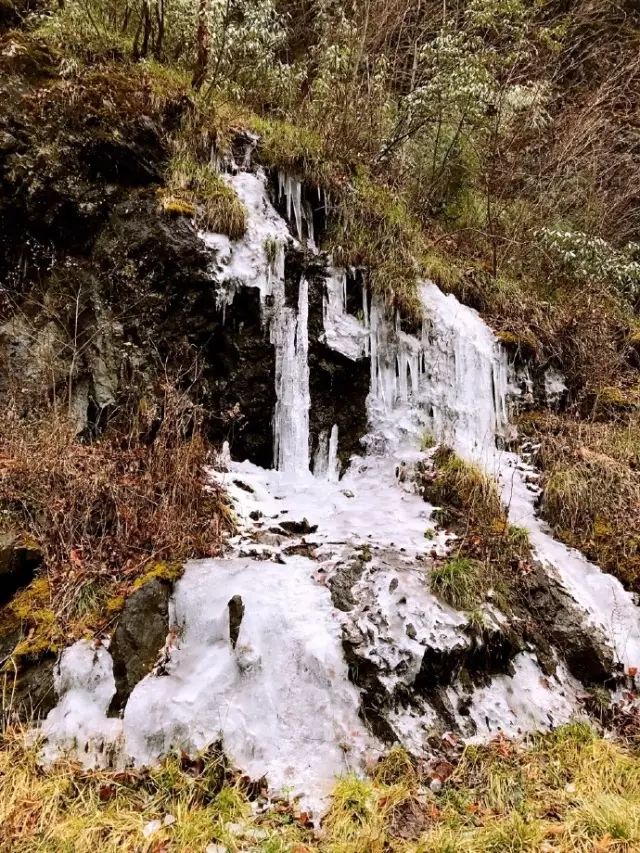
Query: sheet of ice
{"points": [[449, 382], [257, 259], [290, 337], [391, 599], [523, 702], [466, 384], [465, 375], [370, 504], [83, 679], [281, 700], [343, 332]]}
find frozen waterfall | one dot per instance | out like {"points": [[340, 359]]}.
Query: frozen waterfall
{"points": [[321, 562]]}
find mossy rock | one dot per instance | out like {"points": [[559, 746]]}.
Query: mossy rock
{"points": [[29, 627], [163, 571], [175, 206], [140, 634], [523, 343]]}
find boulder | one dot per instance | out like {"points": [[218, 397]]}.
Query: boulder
{"points": [[139, 637]]}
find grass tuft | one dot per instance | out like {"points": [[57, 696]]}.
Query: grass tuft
{"points": [[458, 582], [197, 190], [561, 792]]}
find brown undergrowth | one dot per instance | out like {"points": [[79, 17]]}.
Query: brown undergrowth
{"points": [[591, 486], [104, 513]]}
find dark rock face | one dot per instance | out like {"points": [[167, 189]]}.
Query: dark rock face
{"points": [[241, 378], [560, 621], [19, 561], [139, 637]]}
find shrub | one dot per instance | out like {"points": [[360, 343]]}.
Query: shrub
{"points": [[592, 258], [102, 511]]}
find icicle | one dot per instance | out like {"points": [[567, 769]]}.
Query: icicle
{"points": [[321, 459], [333, 463], [297, 205], [289, 334], [342, 332], [307, 213], [291, 190]]}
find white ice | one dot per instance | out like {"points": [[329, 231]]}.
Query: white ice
{"points": [[84, 681], [281, 701]]}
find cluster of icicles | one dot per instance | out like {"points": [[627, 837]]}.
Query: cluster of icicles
{"points": [[280, 698]]}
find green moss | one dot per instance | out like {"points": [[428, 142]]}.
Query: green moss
{"points": [[293, 149], [175, 206], [114, 605], [30, 615], [611, 399], [165, 571], [523, 342]]}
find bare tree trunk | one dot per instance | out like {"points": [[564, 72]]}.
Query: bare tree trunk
{"points": [[160, 22], [125, 18], [144, 30], [202, 47]]}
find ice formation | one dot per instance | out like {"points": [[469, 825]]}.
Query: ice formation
{"points": [[281, 700]]}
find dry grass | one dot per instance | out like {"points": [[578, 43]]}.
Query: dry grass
{"points": [[103, 513], [557, 793], [591, 486], [460, 487], [198, 191], [488, 552]]}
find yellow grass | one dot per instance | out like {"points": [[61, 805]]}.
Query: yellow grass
{"points": [[562, 792]]}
